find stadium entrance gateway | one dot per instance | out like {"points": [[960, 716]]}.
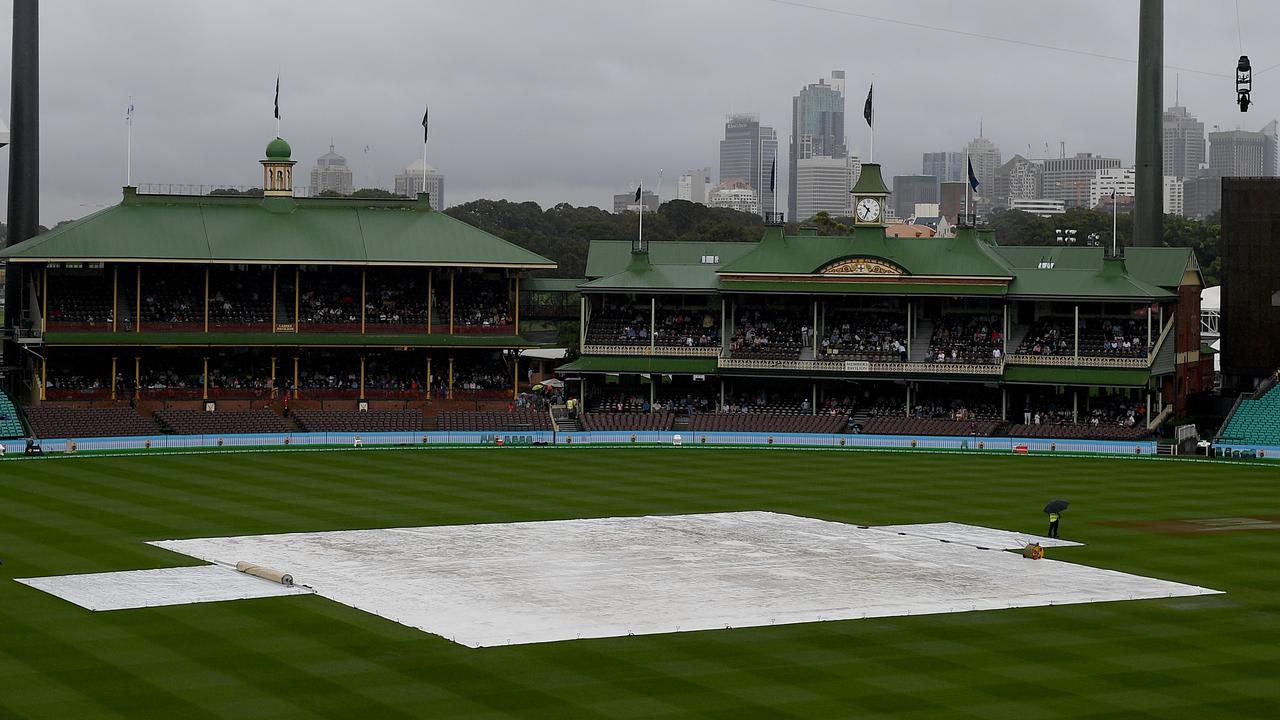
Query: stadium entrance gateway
{"points": [[514, 583]]}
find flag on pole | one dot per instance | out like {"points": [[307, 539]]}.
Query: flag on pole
{"points": [[866, 108], [128, 115], [973, 179], [424, 124], [638, 192], [277, 105]]}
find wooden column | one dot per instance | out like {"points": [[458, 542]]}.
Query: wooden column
{"points": [[44, 371], [515, 372], [363, 305], [113, 377], [137, 320], [430, 386], [273, 377], [517, 323], [44, 306], [137, 376], [206, 299], [362, 377], [449, 393], [274, 272], [431, 305], [297, 388], [1076, 348], [452, 273], [297, 299], [206, 377], [653, 322], [115, 298]]}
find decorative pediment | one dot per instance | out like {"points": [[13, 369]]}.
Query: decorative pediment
{"points": [[862, 266]]}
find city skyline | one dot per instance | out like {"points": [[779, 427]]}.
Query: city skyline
{"points": [[202, 131]]}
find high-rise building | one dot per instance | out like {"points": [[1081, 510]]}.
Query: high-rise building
{"points": [[626, 202], [947, 166], [1068, 179], [735, 195], [1018, 179], [331, 174], [908, 190], [1115, 180], [823, 185], [817, 127], [985, 157], [1202, 195], [748, 154], [694, 186], [1173, 196], [951, 198], [1183, 143], [1271, 149], [1237, 153], [409, 183]]}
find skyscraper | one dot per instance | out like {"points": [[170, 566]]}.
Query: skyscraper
{"points": [[985, 157], [823, 185], [1018, 179], [694, 185], [1271, 149], [908, 190], [747, 154], [1183, 143], [409, 183], [946, 166], [331, 174], [817, 127], [1237, 153], [1068, 179]]}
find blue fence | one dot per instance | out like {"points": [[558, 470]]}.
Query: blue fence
{"points": [[527, 438], [1242, 450]]}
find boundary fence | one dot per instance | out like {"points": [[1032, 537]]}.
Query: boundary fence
{"points": [[547, 437]]}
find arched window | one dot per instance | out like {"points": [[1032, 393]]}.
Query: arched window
{"points": [[280, 180]]}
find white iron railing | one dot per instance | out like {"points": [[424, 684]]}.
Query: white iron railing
{"points": [[861, 366], [658, 351], [1081, 361]]}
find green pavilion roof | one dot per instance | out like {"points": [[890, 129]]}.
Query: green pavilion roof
{"points": [[238, 229]]}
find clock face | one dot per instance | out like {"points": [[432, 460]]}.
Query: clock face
{"points": [[868, 210]]}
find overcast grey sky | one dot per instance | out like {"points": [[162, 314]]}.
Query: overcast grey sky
{"points": [[571, 101]]}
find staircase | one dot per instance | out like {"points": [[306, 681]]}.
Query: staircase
{"points": [[1017, 333], [920, 343]]}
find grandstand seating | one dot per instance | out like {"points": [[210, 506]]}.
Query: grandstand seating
{"points": [[357, 421], [889, 425], [1255, 420], [1099, 337], [10, 423], [199, 422], [865, 335], [1080, 431], [966, 339], [52, 421], [627, 421], [469, 421], [766, 423]]}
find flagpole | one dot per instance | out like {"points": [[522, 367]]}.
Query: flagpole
{"points": [[128, 146], [640, 244], [1114, 240]]}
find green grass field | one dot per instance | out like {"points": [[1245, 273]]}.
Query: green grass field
{"points": [[1211, 657]]}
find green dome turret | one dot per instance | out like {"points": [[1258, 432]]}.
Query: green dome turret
{"points": [[278, 149]]}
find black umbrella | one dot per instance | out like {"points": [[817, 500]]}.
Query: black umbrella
{"points": [[1056, 506]]}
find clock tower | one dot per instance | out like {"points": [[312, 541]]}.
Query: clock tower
{"points": [[869, 197]]}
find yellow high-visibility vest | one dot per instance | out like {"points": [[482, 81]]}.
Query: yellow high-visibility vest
{"points": [[1053, 517]]}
